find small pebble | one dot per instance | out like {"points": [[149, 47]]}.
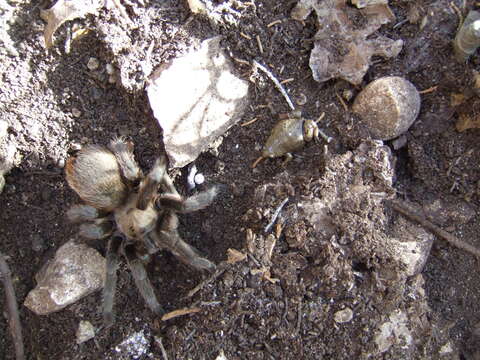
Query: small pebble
{"points": [[38, 243], [112, 79], [3, 129], [388, 107], [85, 331], [301, 99], [61, 163], [110, 69], [199, 179], [76, 113], [343, 316], [93, 64]]}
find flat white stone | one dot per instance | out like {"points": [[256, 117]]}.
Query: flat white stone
{"points": [[196, 98]]}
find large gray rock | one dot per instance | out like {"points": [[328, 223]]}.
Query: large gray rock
{"points": [[196, 98], [75, 272]]}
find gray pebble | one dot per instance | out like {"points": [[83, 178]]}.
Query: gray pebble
{"points": [[93, 64]]}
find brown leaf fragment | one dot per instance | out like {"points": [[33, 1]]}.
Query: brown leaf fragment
{"points": [[234, 256], [65, 10], [343, 47], [466, 121], [180, 312]]}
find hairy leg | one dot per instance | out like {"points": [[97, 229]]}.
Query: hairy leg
{"points": [[141, 280], [123, 151], [183, 251], [82, 213], [113, 250], [149, 186], [193, 203], [99, 229]]}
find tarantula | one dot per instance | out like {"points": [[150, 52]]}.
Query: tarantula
{"points": [[127, 207]]}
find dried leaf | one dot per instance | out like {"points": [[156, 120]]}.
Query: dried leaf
{"points": [[466, 122], [65, 10], [180, 312], [343, 49], [235, 256]]}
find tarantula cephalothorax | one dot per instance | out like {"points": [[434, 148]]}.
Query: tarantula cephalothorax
{"points": [[127, 207]]}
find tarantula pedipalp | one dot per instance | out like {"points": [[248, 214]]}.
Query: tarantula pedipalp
{"points": [[127, 207]]}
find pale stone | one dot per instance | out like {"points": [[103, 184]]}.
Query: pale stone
{"points": [[393, 331], [196, 98], [75, 272], [85, 332], [388, 107], [343, 316]]}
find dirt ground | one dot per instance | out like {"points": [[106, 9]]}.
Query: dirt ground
{"points": [[53, 103]]}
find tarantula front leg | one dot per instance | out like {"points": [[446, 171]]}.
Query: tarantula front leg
{"points": [[113, 250], [141, 279], [149, 186], [193, 203], [167, 237]]}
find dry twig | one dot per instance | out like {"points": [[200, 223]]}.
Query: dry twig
{"points": [[159, 342], [404, 209], [429, 90], [220, 270], [275, 82], [180, 312], [12, 309]]}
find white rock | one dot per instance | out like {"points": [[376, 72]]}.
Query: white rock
{"points": [[93, 64], [76, 113], [221, 356], [85, 331], [411, 245], [393, 331], [3, 129], [343, 316], [75, 272], [133, 347], [196, 98]]}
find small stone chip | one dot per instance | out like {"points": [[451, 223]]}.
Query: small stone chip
{"points": [[85, 331], [93, 64], [76, 113], [343, 316]]}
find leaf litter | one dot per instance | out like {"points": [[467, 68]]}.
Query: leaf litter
{"points": [[343, 45]]}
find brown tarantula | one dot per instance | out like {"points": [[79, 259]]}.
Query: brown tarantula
{"points": [[127, 207]]}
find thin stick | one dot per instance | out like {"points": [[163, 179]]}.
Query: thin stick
{"points": [[246, 123], [404, 209], [275, 81], [13, 317], [257, 161], [180, 312], [429, 90], [162, 348], [220, 270], [345, 107], [260, 46], [274, 23], [286, 81], [245, 36], [275, 215]]}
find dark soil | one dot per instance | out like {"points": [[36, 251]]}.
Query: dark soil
{"points": [[243, 313]]}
